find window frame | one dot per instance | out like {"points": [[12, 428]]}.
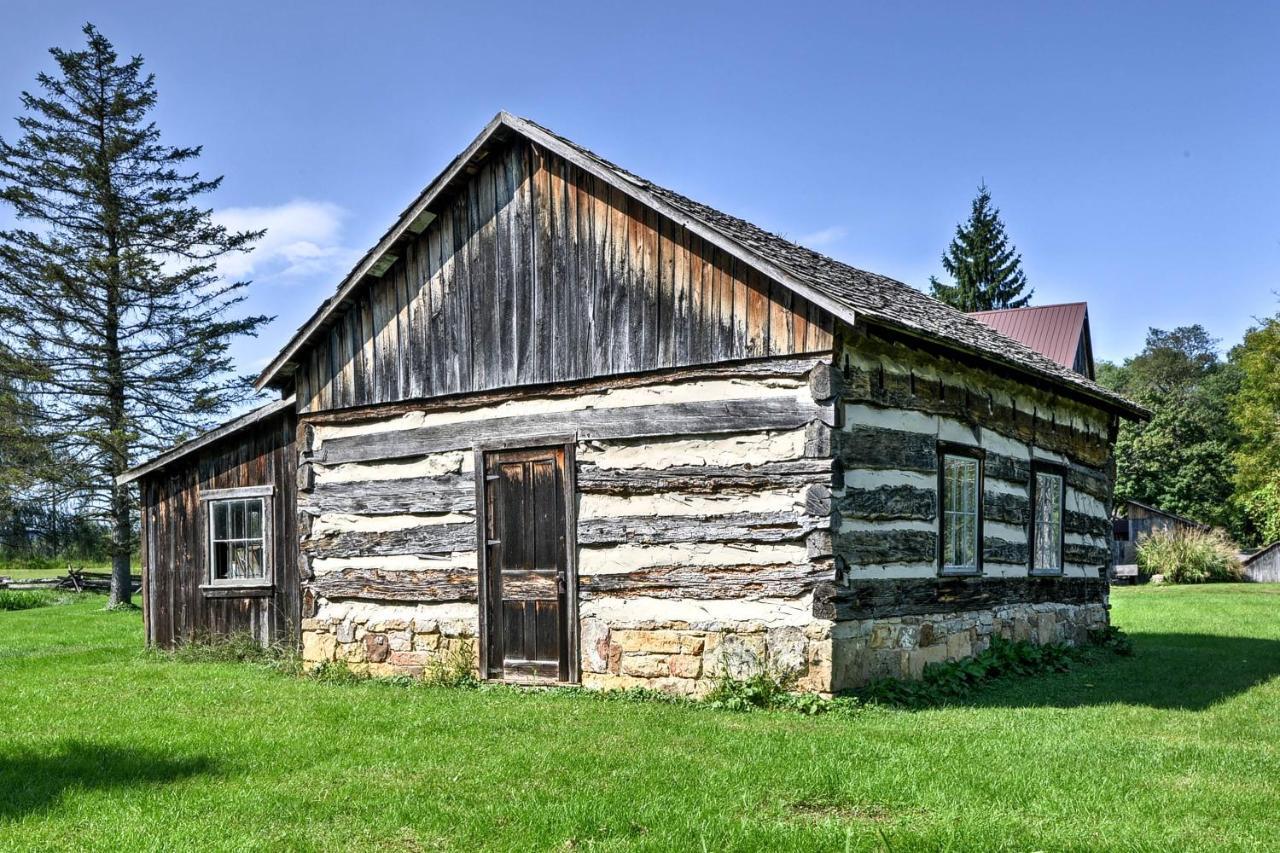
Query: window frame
{"points": [[209, 498], [945, 449], [1038, 467]]}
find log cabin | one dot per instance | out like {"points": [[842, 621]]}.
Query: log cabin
{"points": [[574, 427]]}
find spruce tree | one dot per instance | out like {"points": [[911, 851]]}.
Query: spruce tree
{"points": [[110, 282], [986, 270]]}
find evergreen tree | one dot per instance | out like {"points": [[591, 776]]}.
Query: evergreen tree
{"points": [[985, 268], [111, 289]]}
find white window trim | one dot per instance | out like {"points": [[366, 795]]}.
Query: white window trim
{"points": [[208, 498]]}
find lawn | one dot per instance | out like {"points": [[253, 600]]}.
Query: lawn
{"points": [[106, 746]]}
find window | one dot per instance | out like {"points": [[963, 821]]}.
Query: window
{"points": [[237, 540], [960, 513], [1046, 522]]}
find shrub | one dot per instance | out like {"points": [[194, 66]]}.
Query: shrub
{"points": [[455, 670], [28, 599], [1189, 556]]}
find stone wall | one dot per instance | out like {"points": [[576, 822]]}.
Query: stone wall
{"points": [[902, 646], [382, 640]]}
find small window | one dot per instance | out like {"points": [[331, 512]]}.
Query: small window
{"points": [[237, 541], [1046, 522], [960, 515]]}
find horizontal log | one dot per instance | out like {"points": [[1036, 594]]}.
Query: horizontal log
{"points": [[884, 503], [1086, 555], [708, 582], [1086, 525], [880, 448], [877, 599], [1011, 469], [445, 493], [694, 418], [886, 547], [425, 539], [996, 550], [703, 479], [427, 585], [1005, 507], [733, 527]]}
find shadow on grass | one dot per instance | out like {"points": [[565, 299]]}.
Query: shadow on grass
{"points": [[1188, 672], [33, 780]]}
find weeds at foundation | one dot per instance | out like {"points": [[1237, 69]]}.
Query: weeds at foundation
{"points": [[239, 647], [455, 670], [947, 682]]}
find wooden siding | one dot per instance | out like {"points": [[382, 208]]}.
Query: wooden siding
{"points": [[536, 272], [175, 539], [728, 508]]}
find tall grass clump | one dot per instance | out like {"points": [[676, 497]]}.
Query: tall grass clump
{"points": [[28, 599], [1189, 556]]}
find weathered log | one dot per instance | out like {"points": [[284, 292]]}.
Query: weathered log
{"points": [[884, 503], [878, 599], [703, 479], [693, 418], [427, 585], [425, 539], [886, 449], [996, 550], [708, 582], [1006, 507], [1086, 555], [445, 493], [733, 527], [886, 547], [824, 382], [1087, 525]]}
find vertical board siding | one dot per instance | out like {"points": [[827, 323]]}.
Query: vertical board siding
{"points": [[537, 272], [174, 532]]}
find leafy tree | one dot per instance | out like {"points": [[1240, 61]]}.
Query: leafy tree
{"points": [[111, 289], [986, 270], [1182, 460], [1255, 411]]}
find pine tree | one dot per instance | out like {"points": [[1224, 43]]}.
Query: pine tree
{"points": [[985, 268], [112, 290]]}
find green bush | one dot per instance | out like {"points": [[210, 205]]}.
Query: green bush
{"points": [[1189, 556], [27, 599]]}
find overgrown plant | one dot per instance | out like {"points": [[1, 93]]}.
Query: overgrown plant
{"points": [[1189, 556], [29, 599], [946, 682], [456, 669], [237, 647]]}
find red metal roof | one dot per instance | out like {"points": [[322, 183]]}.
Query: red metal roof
{"points": [[1052, 330]]}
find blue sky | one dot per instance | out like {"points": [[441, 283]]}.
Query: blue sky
{"points": [[1134, 149]]}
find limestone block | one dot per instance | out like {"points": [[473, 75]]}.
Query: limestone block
{"points": [[918, 659], [644, 665], [595, 645], [739, 656], [677, 686], [351, 652], [787, 650], [400, 641], [655, 642], [315, 625], [376, 648], [317, 647], [615, 658], [426, 642], [959, 646], [414, 659], [692, 644], [426, 626], [685, 666], [345, 632]]}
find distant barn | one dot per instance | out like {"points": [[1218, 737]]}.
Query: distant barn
{"points": [[1059, 331], [1263, 566], [1136, 521]]}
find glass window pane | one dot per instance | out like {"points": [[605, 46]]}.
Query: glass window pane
{"points": [[220, 561], [237, 519], [255, 519], [221, 528], [961, 496], [253, 562]]}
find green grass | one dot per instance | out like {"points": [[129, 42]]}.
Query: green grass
{"points": [[104, 746]]}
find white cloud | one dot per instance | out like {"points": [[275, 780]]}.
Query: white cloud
{"points": [[303, 238], [825, 237]]}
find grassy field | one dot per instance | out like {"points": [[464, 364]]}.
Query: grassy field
{"points": [[103, 745]]}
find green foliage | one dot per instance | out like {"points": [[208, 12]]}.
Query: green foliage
{"points": [[1189, 556], [985, 268], [943, 683], [1182, 459], [455, 670], [28, 599], [1255, 412]]}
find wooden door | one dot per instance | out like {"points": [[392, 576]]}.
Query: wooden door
{"points": [[528, 584]]}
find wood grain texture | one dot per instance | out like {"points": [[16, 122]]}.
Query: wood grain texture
{"points": [[533, 271]]}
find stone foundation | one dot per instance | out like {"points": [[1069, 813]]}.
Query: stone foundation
{"points": [[687, 658], [901, 647], [382, 641]]}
